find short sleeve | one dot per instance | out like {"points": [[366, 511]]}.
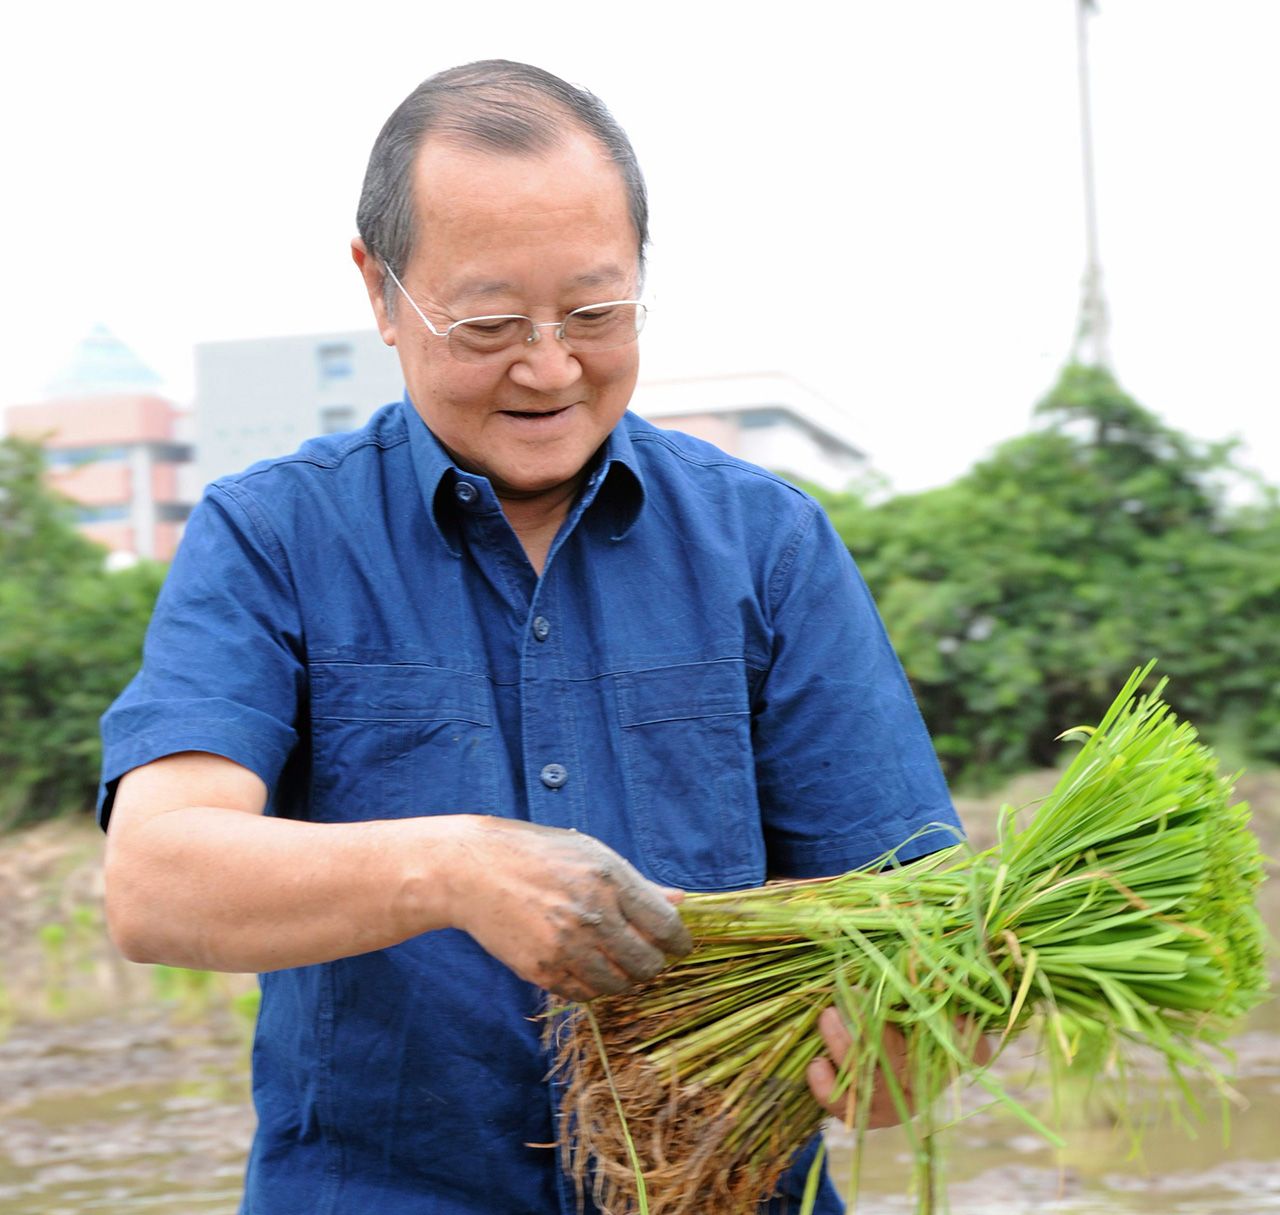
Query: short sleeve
{"points": [[844, 765], [221, 668]]}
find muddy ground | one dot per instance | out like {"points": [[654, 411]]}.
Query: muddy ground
{"points": [[124, 1088]]}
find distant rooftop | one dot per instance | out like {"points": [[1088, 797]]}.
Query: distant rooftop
{"points": [[745, 391], [102, 365]]}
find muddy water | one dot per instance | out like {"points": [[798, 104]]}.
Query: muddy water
{"points": [[122, 1115], [995, 1166], [122, 1096], [142, 1114]]}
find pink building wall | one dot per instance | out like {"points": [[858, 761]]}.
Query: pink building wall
{"points": [[167, 537], [100, 484], [118, 537], [164, 481], [125, 426], [94, 421]]}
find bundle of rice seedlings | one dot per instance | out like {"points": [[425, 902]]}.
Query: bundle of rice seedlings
{"points": [[1120, 917]]}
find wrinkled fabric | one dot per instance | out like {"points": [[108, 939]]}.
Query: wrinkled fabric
{"points": [[698, 678]]}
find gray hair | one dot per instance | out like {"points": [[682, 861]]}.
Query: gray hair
{"points": [[493, 105]]}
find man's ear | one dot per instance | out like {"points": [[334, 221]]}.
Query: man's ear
{"points": [[371, 271]]}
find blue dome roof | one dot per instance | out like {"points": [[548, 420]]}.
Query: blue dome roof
{"points": [[102, 365]]}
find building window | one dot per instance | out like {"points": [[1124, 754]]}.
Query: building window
{"points": [[78, 457], [337, 362], [751, 419], [102, 514], [334, 418]]}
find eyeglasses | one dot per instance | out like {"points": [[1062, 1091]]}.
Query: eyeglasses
{"points": [[485, 339]]}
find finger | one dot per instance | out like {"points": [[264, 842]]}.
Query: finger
{"points": [[821, 1075], [567, 987], [895, 1047], [835, 1034], [647, 908], [598, 974], [582, 980], [633, 954]]}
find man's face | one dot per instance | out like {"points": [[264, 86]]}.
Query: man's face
{"points": [[531, 235]]}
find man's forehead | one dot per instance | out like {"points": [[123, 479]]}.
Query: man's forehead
{"points": [[566, 207], [442, 158]]}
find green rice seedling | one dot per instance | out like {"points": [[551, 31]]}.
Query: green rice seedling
{"points": [[53, 943], [1119, 918], [86, 934], [6, 1010]]}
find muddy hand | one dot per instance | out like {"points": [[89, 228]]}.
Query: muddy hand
{"points": [[563, 910]]}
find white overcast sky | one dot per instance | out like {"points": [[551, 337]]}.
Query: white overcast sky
{"points": [[881, 198]]}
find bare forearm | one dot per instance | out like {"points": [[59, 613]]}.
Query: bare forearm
{"points": [[220, 889], [197, 876]]}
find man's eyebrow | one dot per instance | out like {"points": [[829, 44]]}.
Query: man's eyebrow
{"points": [[480, 288], [600, 276], [470, 288]]}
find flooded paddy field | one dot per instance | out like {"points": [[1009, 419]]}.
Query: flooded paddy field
{"points": [[123, 1115], [125, 1090], [996, 1166]]}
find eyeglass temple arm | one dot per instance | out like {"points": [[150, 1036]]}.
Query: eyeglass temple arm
{"points": [[412, 303]]}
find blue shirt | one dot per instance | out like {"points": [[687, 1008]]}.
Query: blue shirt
{"points": [[698, 678]]}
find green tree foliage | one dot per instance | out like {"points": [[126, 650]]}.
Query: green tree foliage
{"points": [[1021, 596], [70, 639]]}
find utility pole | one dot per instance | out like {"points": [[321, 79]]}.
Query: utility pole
{"points": [[1092, 340]]}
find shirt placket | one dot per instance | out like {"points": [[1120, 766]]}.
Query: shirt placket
{"points": [[556, 782]]}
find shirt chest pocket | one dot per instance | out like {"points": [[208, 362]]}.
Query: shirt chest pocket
{"points": [[394, 741], [689, 770]]}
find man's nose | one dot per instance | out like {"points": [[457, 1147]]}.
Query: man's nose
{"points": [[546, 363]]}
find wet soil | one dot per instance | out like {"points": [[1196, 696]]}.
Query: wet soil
{"points": [[124, 1089]]}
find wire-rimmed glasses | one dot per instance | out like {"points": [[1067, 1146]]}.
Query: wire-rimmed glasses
{"points": [[482, 339]]}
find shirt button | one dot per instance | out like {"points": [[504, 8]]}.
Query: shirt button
{"points": [[464, 491], [554, 775], [541, 628]]}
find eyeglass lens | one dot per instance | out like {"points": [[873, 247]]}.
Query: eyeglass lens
{"points": [[595, 327]]}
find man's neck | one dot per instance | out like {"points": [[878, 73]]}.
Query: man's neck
{"points": [[536, 519]]}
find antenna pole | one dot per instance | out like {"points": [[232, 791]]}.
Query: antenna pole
{"points": [[1093, 328]]}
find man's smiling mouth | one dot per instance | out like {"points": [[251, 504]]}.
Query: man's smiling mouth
{"points": [[535, 414]]}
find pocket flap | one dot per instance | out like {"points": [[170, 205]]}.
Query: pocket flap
{"points": [[682, 693], [403, 692]]}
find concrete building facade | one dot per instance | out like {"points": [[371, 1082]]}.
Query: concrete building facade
{"points": [[262, 397]]}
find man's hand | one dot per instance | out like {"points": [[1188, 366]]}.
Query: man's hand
{"points": [[563, 910], [884, 1110]]}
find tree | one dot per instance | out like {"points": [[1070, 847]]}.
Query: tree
{"points": [[70, 638], [1020, 596]]}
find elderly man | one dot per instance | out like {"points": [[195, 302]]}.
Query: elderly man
{"points": [[441, 715]]}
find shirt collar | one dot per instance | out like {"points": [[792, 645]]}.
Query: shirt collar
{"points": [[615, 485]]}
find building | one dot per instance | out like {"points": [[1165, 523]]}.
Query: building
{"points": [[766, 418], [263, 397], [112, 446]]}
